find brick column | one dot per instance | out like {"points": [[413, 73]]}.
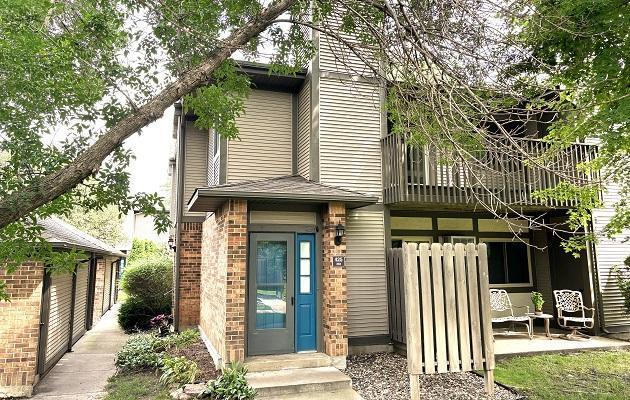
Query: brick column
{"points": [[99, 290], [334, 290], [236, 281], [223, 282], [189, 247], [19, 330]]}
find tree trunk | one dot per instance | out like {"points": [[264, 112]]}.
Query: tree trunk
{"points": [[53, 185]]}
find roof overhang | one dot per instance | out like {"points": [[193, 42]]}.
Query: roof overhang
{"points": [[210, 199]]}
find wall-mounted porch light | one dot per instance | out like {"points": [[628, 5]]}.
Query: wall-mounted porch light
{"points": [[171, 243], [339, 232]]}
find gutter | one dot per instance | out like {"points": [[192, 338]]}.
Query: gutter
{"points": [[181, 145]]}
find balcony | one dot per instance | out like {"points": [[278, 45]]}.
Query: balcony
{"points": [[497, 178]]}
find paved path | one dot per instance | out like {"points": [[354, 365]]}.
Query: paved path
{"points": [[82, 374]]}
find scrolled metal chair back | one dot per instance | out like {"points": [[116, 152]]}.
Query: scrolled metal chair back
{"points": [[499, 300], [568, 300]]}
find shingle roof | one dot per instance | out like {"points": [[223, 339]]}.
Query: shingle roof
{"points": [[61, 234], [293, 188]]}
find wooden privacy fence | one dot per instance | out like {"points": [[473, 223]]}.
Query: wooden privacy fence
{"points": [[447, 310]]}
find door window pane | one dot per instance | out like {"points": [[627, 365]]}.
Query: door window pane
{"points": [[271, 284], [305, 249], [305, 267], [305, 284]]}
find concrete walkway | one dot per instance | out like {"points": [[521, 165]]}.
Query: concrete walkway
{"points": [[83, 374]]}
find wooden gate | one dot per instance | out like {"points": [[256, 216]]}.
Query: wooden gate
{"points": [[447, 310]]}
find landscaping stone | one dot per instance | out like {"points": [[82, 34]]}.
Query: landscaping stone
{"points": [[384, 376], [188, 392]]}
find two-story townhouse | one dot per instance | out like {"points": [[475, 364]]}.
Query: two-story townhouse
{"points": [[281, 235]]}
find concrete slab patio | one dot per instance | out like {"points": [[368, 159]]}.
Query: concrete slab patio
{"points": [[83, 373], [520, 344]]}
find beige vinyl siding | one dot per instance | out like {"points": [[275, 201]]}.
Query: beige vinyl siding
{"points": [[337, 57], [195, 162], [59, 317], [80, 302], [610, 253], [304, 131], [367, 276], [266, 138], [349, 136]]}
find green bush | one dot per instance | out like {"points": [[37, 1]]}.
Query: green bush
{"points": [[178, 370], [142, 249], [138, 355], [135, 315], [179, 340], [231, 385], [151, 281]]}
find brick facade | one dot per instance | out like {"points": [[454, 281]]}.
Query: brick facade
{"points": [[99, 290], [334, 290], [19, 330], [223, 280], [189, 247]]}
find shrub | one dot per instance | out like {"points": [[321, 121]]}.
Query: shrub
{"points": [[231, 385], [138, 355], [182, 339], [151, 281], [178, 370], [135, 315], [142, 249]]}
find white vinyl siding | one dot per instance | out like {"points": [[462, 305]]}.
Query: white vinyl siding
{"points": [[265, 145], [609, 254], [349, 135], [304, 131], [195, 162], [59, 317], [80, 302], [367, 276], [337, 57]]}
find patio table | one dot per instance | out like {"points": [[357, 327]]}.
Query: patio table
{"points": [[545, 317]]}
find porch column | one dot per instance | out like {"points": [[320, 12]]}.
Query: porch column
{"points": [[334, 288], [189, 247]]}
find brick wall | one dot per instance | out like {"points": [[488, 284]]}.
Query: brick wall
{"points": [[189, 247], [19, 330], [334, 290], [223, 280], [99, 290]]}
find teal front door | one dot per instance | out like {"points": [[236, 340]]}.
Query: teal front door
{"points": [[271, 328], [305, 289]]}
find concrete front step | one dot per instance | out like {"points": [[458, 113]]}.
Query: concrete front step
{"points": [[287, 361], [272, 384], [345, 394]]}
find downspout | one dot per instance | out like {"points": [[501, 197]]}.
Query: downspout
{"points": [[179, 164], [593, 280]]}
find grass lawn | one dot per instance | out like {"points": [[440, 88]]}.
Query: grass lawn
{"points": [[144, 386], [589, 375]]}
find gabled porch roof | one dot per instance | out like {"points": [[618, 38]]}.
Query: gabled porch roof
{"points": [[290, 189]]}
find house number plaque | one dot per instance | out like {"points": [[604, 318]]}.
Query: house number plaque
{"points": [[338, 261]]}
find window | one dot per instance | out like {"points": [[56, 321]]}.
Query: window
{"points": [[459, 239], [305, 267], [509, 263]]}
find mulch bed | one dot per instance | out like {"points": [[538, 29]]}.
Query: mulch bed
{"points": [[198, 353], [384, 376]]}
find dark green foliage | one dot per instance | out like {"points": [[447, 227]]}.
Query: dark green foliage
{"points": [[182, 339], [231, 385], [135, 315], [151, 281]]}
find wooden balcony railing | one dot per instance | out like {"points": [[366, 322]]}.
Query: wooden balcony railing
{"points": [[495, 177]]}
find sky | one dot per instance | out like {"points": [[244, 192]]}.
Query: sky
{"points": [[152, 149]]}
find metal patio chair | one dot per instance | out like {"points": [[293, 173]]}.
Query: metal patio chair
{"points": [[570, 302], [500, 303]]}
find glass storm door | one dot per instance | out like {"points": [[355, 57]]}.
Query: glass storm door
{"points": [[271, 294], [305, 304]]}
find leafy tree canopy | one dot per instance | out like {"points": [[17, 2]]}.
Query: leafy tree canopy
{"points": [[104, 224]]}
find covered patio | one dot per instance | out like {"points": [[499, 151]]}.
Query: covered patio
{"points": [[517, 343]]}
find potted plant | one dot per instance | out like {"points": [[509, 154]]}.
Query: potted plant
{"points": [[538, 301]]}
